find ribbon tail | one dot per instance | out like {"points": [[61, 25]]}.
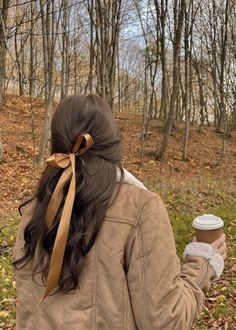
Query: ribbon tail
{"points": [[61, 237], [57, 197]]}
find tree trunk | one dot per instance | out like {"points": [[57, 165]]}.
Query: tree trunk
{"points": [[164, 87], [222, 119], [1, 148], [18, 63], [3, 19], [33, 62], [49, 38], [90, 8], [189, 21], [179, 17], [107, 30], [65, 51]]}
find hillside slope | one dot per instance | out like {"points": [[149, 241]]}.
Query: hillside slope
{"points": [[202, 171]]}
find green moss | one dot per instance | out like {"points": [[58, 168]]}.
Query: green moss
{"points": [[182, 228], [182, 222], [183, 232], [227, 211], [220, 310]]}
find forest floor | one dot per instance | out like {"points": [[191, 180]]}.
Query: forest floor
{"points": [[203, 184]]}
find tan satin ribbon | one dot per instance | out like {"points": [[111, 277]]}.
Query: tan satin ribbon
{"points": [[66, 161]]}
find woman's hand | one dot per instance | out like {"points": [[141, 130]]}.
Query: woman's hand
{"points": [[220, 246]]}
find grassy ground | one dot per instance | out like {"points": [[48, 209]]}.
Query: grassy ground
{"points": [[219, 311], [7, 284]]}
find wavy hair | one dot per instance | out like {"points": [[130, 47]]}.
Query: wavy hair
{"points": [[96, 172]]}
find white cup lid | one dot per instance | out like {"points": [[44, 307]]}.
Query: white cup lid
{"points": [[207, 222]]}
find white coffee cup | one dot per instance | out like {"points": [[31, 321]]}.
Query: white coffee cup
{"points": [[208, 228]]}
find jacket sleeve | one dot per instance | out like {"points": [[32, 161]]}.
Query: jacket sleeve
{"points": [[163, 295]]}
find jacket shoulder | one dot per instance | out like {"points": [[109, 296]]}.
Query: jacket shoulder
{"points": [[128, 203]]}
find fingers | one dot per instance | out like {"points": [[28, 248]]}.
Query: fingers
{"points": [[222, 249], [224, 255], [220, 246], [219, 242]]}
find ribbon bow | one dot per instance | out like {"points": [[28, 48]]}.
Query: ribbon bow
{"points": [[66, 161]]}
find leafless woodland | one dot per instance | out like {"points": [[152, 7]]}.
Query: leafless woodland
{"points": [[174, 60]]}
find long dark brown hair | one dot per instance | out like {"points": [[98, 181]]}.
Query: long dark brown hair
{"points": [[96, 172]]}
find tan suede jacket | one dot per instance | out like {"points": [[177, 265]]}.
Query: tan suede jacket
{"points": [[132, 277]]}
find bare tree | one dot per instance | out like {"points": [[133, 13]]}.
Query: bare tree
{"points": [[19, 43], [91, 11], [179, 9], [33, 52], [49, 28], [224, 36], [3, 19], [65, 50], [1, 147], [151, 55], [107, 29], [161, 14]]}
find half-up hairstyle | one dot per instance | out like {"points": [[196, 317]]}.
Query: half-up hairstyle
{"points": [[96, 172]]}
